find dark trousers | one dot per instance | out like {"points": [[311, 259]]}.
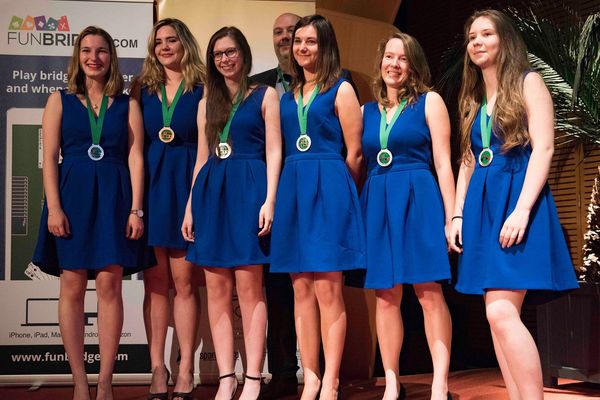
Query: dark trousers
{"points": [[281, 331]]}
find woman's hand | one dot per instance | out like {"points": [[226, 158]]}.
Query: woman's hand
{"points": [[455, 236], [135, 227], [187, 227], [58, 224], [514, 228], [265, 218]]}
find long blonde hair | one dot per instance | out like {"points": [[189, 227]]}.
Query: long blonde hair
{"points": [[192, 65], [509, 116], [418, 78], [76, 76]]}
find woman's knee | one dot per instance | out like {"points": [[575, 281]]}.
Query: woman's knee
{"points": [[109, 283], [249, 291], [389, 298], [502, 316], [304, 290], [328, 293], [430, 297]]}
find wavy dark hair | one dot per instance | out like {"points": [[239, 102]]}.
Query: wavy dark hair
{"points": [[75, 75], [218, 99], [328, 59]]}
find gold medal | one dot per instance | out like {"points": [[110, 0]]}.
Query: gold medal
{"points": [[384, 157], [223, 150], [485, 157], [166, 134], [303, 143], [95, 152]]}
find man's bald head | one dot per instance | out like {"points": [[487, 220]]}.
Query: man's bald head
{"points": [[283, 28]]}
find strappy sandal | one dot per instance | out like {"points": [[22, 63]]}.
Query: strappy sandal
{"points": [[161, 395], [235, 389]]}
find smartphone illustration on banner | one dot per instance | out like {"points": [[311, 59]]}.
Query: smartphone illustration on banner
{"points": [[25, 192]]}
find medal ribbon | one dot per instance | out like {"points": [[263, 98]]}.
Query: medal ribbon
{"points": [[303, 110], [225, 133], [486, 128], [96, 123], [286, 86], [384, 128], [167, 110]]}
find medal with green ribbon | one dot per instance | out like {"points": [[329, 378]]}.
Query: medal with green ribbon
{"points": [[166, 134], [223, 149], [303, 143], [284, 83], [486, 155], [95, 151], [385, 157]]}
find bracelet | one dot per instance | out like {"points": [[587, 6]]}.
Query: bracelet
{"points": [[457, 217]]}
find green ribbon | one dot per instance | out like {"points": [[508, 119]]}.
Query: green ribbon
{"points": [[96, 123], [486, 128], [225, 133], [167, 110], [303, 110], [384, 128], [286, 86]]}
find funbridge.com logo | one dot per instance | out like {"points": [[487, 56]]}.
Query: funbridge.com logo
{"points": [[40, 23], [42, 31]]}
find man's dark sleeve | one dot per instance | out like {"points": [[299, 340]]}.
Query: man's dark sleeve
{"points": [[268, 77]]}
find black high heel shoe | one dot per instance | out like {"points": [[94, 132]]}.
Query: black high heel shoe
{"points": [[231, 375], [184, 395], [161, 395], [449, 396]]}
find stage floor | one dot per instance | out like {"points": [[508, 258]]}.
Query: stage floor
{"points": [[482, 384]]}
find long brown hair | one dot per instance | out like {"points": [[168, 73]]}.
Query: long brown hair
{"points": [[509, 116], [218, 99], [76, 76], [328, 58], [418, 79], [192, 65]]}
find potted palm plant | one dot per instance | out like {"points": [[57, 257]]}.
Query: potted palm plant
{"points": [[567, 56]]}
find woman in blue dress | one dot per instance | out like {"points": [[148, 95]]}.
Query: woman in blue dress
{"points": [[407, 217], [505, 215], [230, 211], [318, 230], [169, 90], [89, 222]]}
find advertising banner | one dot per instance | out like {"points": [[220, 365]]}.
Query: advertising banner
{"points": [[36, 43]]}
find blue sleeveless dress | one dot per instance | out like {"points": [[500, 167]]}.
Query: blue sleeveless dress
{"points": [[227, 195], [95, 195], [402, 204], [541, 261], [169, 167], [317, 225]]}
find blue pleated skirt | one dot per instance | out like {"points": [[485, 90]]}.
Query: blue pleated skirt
{"points": [[318, 224], [404, 220], [541, 261], [226, 201]]}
